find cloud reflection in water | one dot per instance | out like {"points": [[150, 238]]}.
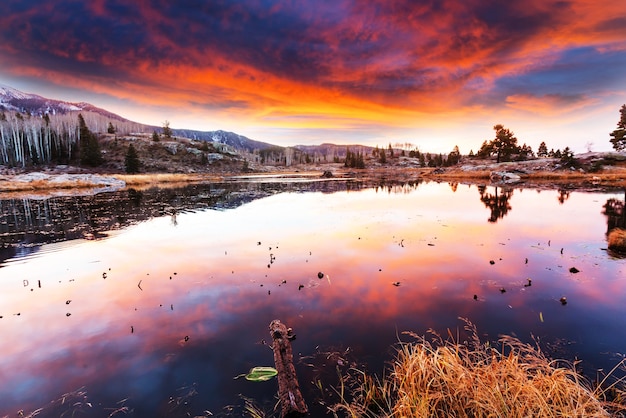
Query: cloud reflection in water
{"points": [[208, 278]]}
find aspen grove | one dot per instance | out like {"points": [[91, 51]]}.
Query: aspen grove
{"points": [[28, 140]]}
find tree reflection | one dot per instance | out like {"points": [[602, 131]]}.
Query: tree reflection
{"points": [[615, 212], [498, 203]]}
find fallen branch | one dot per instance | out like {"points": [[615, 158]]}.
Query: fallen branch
{"points": [[291, 400]]}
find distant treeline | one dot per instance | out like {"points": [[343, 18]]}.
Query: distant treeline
{"points": [[27, 140]]}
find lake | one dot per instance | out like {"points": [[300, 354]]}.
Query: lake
{"points": [[150, 303]]}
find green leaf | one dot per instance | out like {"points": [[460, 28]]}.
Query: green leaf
{"points": [[261, 374]]}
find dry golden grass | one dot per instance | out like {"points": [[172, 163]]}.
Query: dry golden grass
{"points": [[446, 379], [161, 178], [460, 174], [19, 186], [617, 240]]}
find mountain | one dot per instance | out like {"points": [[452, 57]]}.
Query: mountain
{"points": [[237, 141], [333, 150], [13, 100]]}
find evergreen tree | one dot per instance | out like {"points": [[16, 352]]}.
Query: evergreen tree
{"points": [[567, 158], [111, 129], [167, 131], [504, 143], [89, 147], [525, 152], [619, 135], [131, 161], [454, 157], [155, 136], [485, 150], [360, 162], [382, 158], [542, 151]]}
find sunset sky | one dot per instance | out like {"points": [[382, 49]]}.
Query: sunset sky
{"points": [[431, 73]]}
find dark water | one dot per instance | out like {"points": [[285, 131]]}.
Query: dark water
{"points": [[172, 300]]}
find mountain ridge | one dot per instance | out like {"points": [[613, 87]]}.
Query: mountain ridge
{"points": [[14, 100]]}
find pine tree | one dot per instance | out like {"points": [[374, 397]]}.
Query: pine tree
{"points": [[89, 147], [504, 143], [454, 157], [131, 161], [619, 135], [167, 131], [382, 157], [542, 151]]}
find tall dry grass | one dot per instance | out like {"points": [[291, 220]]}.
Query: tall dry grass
{"points": [[18, 186], [447, 379], [162, 179], [617, 240]]}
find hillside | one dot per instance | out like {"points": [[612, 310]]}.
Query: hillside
{"points": [[15, 101]]}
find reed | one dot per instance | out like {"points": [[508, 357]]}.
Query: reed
{"points": [[447, 379]]}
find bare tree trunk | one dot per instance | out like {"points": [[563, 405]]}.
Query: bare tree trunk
{"points": [[3, 138], [291, 400]]}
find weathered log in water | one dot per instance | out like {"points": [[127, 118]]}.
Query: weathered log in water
{"points": [[291, 400]]}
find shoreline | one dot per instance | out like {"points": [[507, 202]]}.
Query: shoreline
{"points": [[50, 183]]}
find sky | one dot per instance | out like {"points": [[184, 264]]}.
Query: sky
{"points": [[433, 73]]}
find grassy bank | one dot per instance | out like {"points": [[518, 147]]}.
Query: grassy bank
{"points": [[474, 379]]}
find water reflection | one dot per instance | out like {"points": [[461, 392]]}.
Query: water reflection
{"points": [[615, 212], [165, 308], [26, 224], [563, 195], [497, 203]]}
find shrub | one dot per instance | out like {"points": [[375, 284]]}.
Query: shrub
{"points": [[617, 240]]}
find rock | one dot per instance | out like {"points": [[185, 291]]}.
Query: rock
{"points": [[327, 174], [504, 176]]}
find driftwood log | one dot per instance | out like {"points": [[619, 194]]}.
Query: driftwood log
{"points": [[291, 400]]}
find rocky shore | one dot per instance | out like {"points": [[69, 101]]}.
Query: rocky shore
{"points": [[590, 171]]}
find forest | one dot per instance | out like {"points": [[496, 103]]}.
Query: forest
{"points": [[27, 140]]}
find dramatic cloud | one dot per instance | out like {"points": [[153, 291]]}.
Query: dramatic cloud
{"points": [[262, 65]]}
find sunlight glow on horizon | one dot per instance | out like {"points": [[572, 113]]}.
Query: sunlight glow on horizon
{"points": [[340, 71]]}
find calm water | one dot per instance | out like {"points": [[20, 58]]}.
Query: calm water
{"points": [[161, 313]]}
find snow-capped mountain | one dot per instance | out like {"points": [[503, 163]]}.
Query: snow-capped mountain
{"points": [[232, 139], [13, 100]]}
